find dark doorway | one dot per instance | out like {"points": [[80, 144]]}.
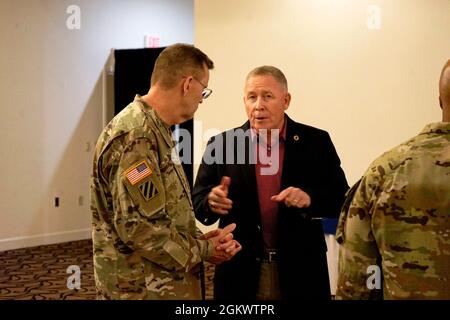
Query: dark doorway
{"points": [[132, 74]]}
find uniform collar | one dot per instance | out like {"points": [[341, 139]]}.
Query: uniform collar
{"points": [[436, 127], [163, 127]]}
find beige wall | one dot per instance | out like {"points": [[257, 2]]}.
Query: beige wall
{"points": [[51, 104], [369, 88]]}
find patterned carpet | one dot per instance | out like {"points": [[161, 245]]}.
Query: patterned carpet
{"points": [[40, 273]]}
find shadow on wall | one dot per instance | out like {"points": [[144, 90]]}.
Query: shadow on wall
{"points": [[65, 206]]}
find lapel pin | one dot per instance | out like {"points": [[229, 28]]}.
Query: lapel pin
{"points": [[296, 137]]}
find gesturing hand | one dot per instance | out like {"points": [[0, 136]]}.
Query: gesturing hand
{"points": [[293, 197], [218, 201]]}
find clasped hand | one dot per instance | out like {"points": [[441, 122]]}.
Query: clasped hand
{"points": [[224, 246]]}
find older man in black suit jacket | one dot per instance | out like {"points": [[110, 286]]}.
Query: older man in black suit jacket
{"points": [[275, 178]]}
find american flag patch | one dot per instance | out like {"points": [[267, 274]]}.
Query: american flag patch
{"points": [[138, 172]]}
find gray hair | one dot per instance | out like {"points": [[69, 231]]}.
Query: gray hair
{"points": [[269, 71]]}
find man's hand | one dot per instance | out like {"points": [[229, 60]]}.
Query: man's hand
{"points": [[218, 201], [224, 246], [293, 197]]}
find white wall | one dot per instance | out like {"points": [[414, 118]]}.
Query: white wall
{"points": [[369, 88], [51, 104]]}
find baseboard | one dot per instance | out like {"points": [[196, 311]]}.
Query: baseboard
{"points": [[43, 239]]}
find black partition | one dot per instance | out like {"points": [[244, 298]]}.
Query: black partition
{"points": [[132, 73]]}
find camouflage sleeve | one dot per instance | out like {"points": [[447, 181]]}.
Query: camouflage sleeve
{"points": [[358, 251], [198, 232], [140, 218]]}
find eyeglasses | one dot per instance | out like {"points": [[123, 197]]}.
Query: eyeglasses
{"points": [[206, 91]]}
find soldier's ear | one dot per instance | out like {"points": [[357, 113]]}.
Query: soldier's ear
{"points": [[187, 81], [440, 102]]}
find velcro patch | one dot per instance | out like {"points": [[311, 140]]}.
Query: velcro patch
{"points": [[148, 190], [138, 172]]}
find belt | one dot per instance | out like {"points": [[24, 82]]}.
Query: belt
{"points": [[269, 256]]}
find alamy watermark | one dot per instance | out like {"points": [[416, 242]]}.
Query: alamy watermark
{"points": [[374, 280], [373, 17], [74, 280], [73, 21], [233, 147]]}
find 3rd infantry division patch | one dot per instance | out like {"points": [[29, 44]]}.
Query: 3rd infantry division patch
{"points": [[148, 190]]}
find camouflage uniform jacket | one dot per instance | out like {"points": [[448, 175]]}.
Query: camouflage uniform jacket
{"points": [[399, 216], [143, 226]]}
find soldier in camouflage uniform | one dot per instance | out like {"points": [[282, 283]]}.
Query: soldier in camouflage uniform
{"points": [[397, 218], [146, 244]]}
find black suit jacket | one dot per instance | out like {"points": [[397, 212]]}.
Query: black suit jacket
{"points": [[311, 164]]}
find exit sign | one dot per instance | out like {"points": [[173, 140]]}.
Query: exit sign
{"points": [[151, 42]]}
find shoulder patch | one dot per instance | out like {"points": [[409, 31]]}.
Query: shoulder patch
{"points": [[148, 189], [138, 172]]}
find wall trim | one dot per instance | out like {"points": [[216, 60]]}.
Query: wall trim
{"points": [[44, 239]]}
